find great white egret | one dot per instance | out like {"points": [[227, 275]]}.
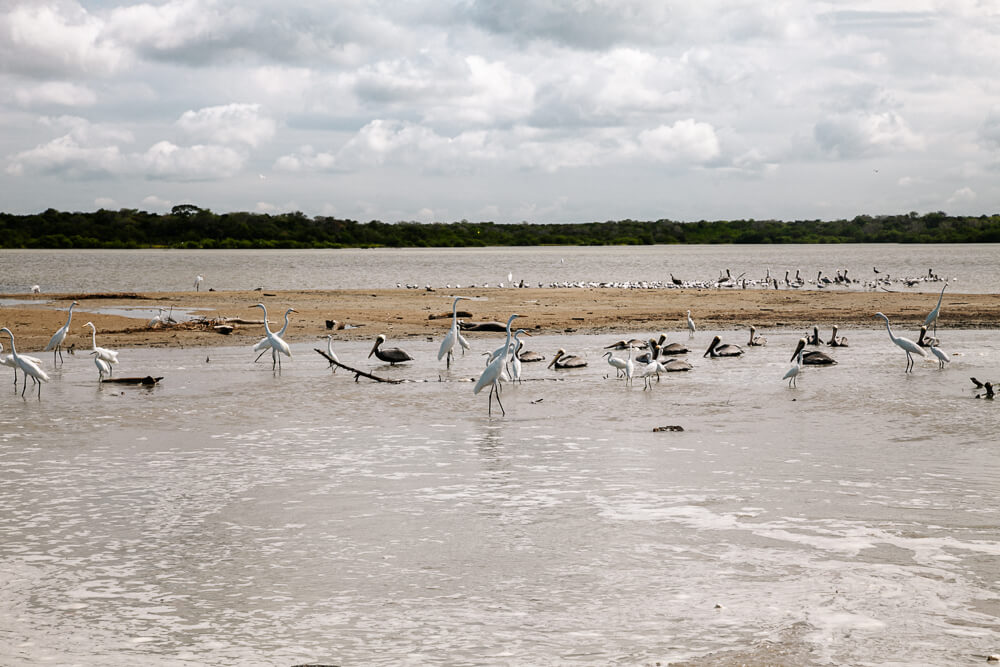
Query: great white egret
{"points": [[717, 350], [941, 355], [197, 283], [514, 360], [103, 367], [491, 374], [904, 344], [563, 360], [278, 345], [393, 355], [792, 373], [447, 349], [264, 344], [330, 353], [27, 367], [629, 368], [933, 315], [8, 360], [110, 356], [616, 363], [691, 327], [55, 343]]}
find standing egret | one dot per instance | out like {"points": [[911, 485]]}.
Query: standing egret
{"points": [[933, 315], [515, 361], [904, 344], [941, 355], [8, 360], [330, 353], [691, 326], [629, 368], [447, 348], [197, 283], [103, 367], [491, 374], [110, 356], [157, 319], [278, 345], [55, 343], [27, 366], [616, 363], [264, 344], [393, 355], [792, 373]]}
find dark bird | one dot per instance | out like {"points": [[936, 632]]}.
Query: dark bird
{"points": [[563, 360], [755, 340], [716, 350], [835, 340], [924, 340], [393, 355], [812, 358]]}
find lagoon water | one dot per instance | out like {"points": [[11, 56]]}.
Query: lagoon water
{"points": [[235, 515]]}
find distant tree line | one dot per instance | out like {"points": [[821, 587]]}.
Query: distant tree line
{"points": [[188, 226]]}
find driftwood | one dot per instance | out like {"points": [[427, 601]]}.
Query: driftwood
{"points": [[482, 326], [357, 373], [148, 380]]}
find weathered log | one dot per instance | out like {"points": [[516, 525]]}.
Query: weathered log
{"points": [[147, 380], [357, 373]]}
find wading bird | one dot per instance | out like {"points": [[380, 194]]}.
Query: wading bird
{"points": [[103, 367], [264, 344], [933, 315], [792, 373], [926, 341], [278, 344], [904, 344], [8, 360], [447, 348], [110, 356], [27, 367], [616, 363], [837, 341], [691, 326], [941, 355], [55, 343], [330, 353], [491, 374]]}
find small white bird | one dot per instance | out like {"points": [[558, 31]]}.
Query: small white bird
{"points": [[330, 353], [103, 367], [941, 355], [792, 373], [110, 356], [691, 327], [197, 283]]}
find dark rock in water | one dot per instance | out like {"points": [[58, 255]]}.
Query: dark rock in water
{"points": [[672, 427]]}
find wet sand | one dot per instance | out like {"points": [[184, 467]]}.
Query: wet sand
{"points": [[402, 313]]}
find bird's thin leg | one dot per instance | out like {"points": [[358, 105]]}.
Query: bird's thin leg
{"points": [[24, 387], [60, 354], [447, 360], [502, 411]]}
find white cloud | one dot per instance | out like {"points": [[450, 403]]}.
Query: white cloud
{"points": [[156, 203], [685, 140], [106, 203], [59, 93], [860, 134], [229, 124], [962, 196], [189, 163]]}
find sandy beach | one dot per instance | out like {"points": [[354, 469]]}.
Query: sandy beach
{"points": [[403, 313]]}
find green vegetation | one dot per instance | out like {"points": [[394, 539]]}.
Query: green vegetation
{"points": [[188, 226]]}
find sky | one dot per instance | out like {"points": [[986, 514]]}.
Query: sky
{"points": [[542, 111]]}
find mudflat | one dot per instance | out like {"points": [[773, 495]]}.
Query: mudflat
{"points": [[402, 313]]}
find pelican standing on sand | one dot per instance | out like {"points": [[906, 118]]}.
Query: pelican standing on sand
{"points": [[278, 344], [447, 349], [55, 343], [392, 355], [27, 367], [904, 344], [491, 374], [716, 350]]}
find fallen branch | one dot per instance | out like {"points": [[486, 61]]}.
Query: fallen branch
{"points": [[357, 373]]}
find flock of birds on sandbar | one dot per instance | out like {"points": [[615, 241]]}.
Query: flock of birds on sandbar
{"points": [[725, 280], [644, 359]]}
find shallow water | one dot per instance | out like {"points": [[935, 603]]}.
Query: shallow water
{"points": [[232, 515], [971, 268]]}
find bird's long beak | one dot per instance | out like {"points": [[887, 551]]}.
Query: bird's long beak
{"points": [[798, 348], [374, 347], [554, 359]]}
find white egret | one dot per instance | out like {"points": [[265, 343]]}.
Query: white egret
{"points": [[717, 350], [502, 350], [691, 327], [447, 349], [515, 361], [393, 355], [926, 341], [330, 353], [264, 344], [8, 360], [103, 367], [647, 371], [197, 283], [278, 345], [491, 374], [110, 356], [904, 344], [27, 366], [55, 343], [563, 360], [616, 363], [157, 319], [629, 367], [941, 355], [792, 373], [933, 315]]}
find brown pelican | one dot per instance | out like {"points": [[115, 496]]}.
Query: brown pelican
{"points": [[393, 355], [670, 349], [755, 340], [716, 350], [528, 356], [812, 358], [837, 341], [675, 365], [814, 338], [792, 374], [563, 360], [620, 345], [925, 340]]}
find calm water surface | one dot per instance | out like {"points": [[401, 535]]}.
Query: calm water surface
{"points": [[232, 515], [972, 268]]}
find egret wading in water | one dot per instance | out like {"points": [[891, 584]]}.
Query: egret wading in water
{"points": [[8, 360], [264, 344], [27, 367], [513, 360], [392, 355], [330, 353], [110, 356], [933, 315], [278, 344], [197, 283], [103, 367], [55, 343], [792, 373], [941, 355], [491, 374], [904, 344], [447, 349], [691, 327], [616, 363]]}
